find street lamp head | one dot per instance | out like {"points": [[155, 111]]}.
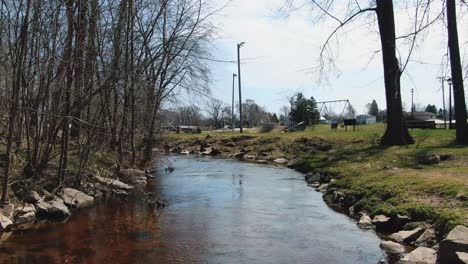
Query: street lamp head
{"points": [[449, 81], [241, 44], [234, 75]]}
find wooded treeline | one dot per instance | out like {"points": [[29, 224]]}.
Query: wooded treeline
{"points": [[78, 76]]}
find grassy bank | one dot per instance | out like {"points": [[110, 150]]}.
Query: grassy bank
{"points": [[385, 180]]}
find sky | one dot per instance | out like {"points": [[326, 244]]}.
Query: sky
{"points": [[281, 53]]}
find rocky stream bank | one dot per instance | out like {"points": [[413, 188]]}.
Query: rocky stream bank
{"points": [[33, 207], [406, 239]]}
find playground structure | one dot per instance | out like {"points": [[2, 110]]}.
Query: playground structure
{"points": [[346, 116]]}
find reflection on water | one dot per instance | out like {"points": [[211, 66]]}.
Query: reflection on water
{"points": [[219, 211]]}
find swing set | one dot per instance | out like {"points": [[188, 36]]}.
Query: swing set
{"points": [[347, 116]]}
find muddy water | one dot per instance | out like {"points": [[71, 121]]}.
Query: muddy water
{"points": [[219, 211]]}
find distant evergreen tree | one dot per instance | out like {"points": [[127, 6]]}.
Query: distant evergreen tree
{"points": [[304, 110], [431, 109], [373, 108], [274, 118]]}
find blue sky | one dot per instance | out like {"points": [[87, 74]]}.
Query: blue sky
{"points": [[280, 53]]}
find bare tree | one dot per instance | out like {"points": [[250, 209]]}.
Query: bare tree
{"points": [[214, 110], [396, 131], [457, 74]]}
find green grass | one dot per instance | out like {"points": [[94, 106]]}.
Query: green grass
{"points": [[388, 179]]}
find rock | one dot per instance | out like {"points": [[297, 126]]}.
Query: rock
{"points": [[248, 157], [312, 177], [5, 222], [262, 162], [456, 241], [25, 214], [280, 161], [76, 199], [314, 185], [132, 176], [461, 197], [230, 144], [406, 236], [421, 255], [381, 222], [238, 155], [462, 257], [392, 248], [185, 152], [398, 221], [32, 197], [116, 184], [323, 188], [365, 221], [207, 151], [445, 157], [427, 238], [295, 162], [54, 208], [429, 159]]}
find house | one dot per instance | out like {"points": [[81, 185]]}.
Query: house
{"points": [[366, 119], [421, 116]]}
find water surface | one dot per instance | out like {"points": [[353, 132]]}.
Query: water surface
{"points": [[219, 211]]}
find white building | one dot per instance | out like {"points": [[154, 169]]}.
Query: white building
{"points": [[422, 116], [366, 119]]}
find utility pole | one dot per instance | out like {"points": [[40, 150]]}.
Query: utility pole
{"points": [[240, 85], [232, 106], [442, 80], [412, 104], [449, 81]]}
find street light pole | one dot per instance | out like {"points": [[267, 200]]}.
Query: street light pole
{"points": [[449, 81], [232, 106], [240, 84], [412, 104], [443, 101]]}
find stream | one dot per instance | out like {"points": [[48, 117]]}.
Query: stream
{"points": [[218, 211]]}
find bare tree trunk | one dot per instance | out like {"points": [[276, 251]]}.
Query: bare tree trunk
{"points": [[22, 45], [396, 132], [457, 74], [68, 87]]}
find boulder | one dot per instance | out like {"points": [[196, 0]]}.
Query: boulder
{"points": [[25, 214], [280, 161], [5, 222], [392, 248], [239, 155], [429, 159], [54, 208], [406, 236], [113, 184], [323, 188], [462, 257], [421, 255], [382, 223], [427, 238], [230, 144], [262, 162], [398, 221], [248, 157], [32, 197], [76, 199], [454, 245], [133, 177], [365, 221], [312, 177], [295, 162]]}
